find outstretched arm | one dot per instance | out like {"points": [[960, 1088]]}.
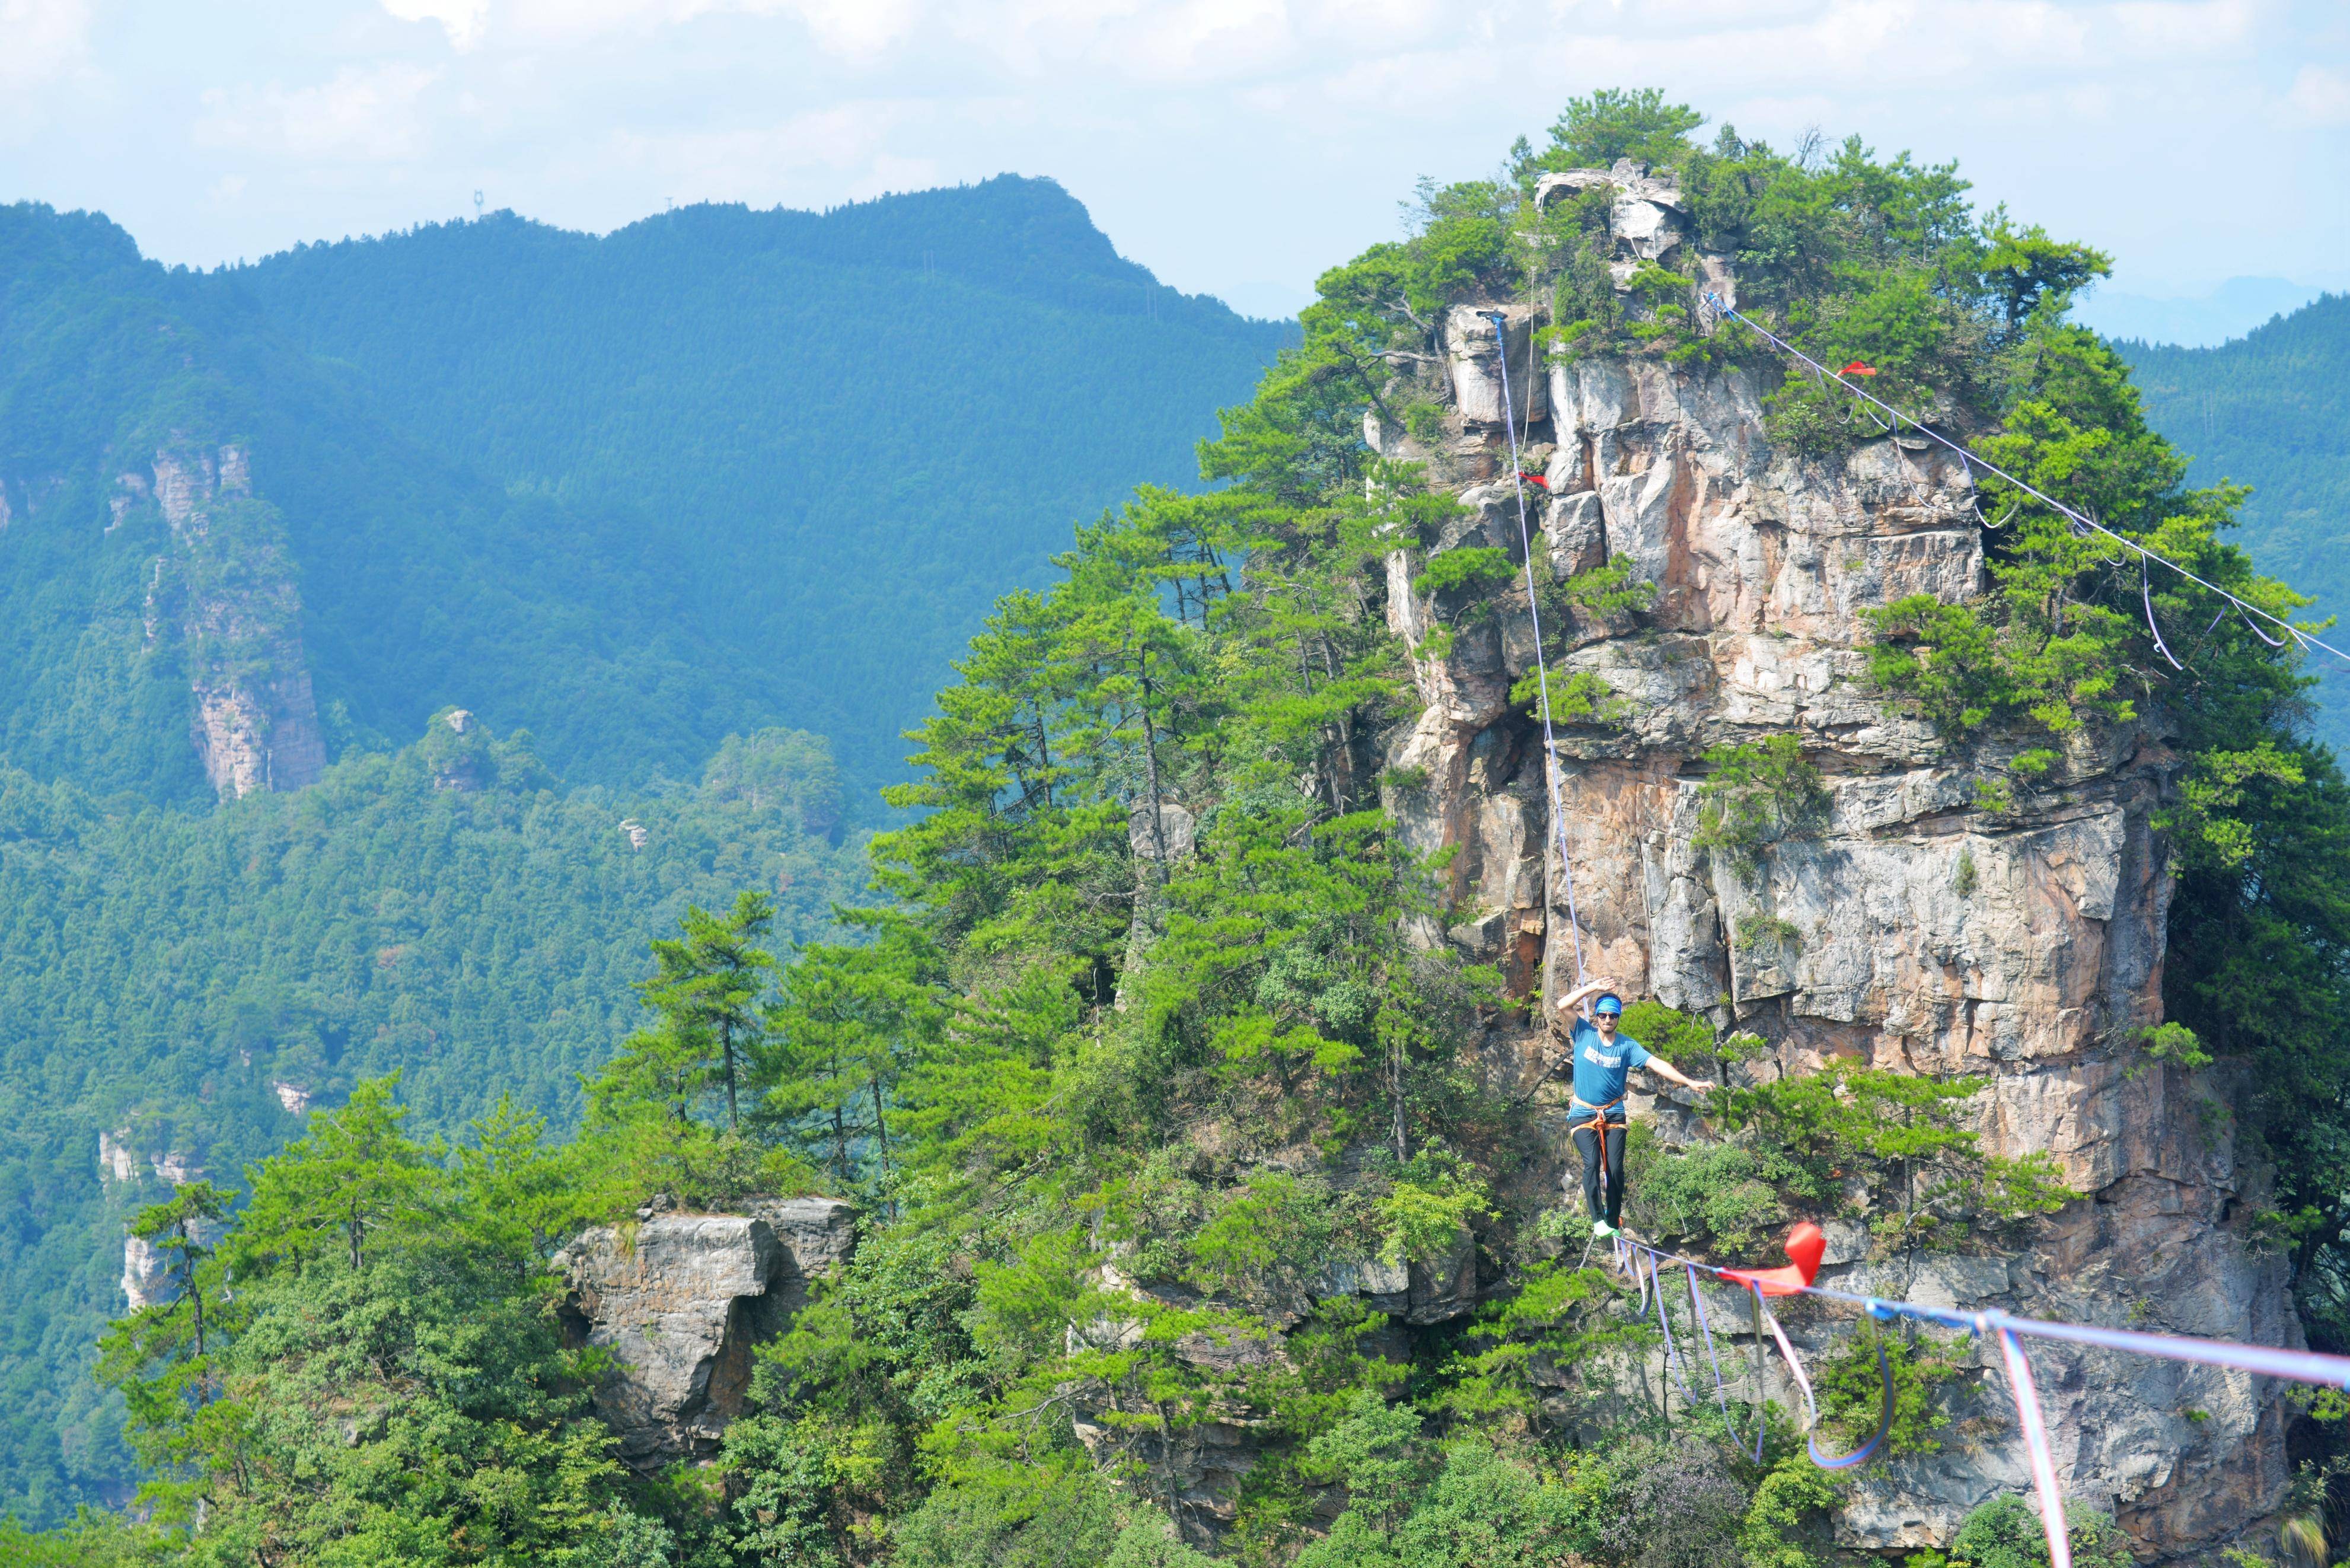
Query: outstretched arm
{"points": [[1574, 1000], [1664, 1069]]}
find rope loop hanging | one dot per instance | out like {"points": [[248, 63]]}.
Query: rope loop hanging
{"points": [[2146, 594]]}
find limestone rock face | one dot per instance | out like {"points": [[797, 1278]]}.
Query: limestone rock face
{"points": [[229, 586], [1909, 929], [143, 1282], [681, 1304], [1176, 827]]}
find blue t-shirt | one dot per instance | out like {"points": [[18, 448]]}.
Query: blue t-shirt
{"points": [[1599, 1067]]}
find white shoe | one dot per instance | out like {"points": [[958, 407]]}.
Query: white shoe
{"points": [[1601, 1229]]}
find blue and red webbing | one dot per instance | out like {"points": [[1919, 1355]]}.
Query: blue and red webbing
{"points": [[2262, 1360]]}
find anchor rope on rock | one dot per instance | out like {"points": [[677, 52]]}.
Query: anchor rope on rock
{"points": [[1533, 610], [2080, 519]]}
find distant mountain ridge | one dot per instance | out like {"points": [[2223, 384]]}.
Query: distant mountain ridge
{"points": [[716, 471], [2237, 306], [2271, 409]]}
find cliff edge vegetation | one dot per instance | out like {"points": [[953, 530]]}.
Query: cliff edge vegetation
{"points": [[1183, 1078]]}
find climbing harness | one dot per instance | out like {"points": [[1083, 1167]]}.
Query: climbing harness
{"points": [[2081, 522], [1599, 1124], [1806, 1247], [1534, 608]]}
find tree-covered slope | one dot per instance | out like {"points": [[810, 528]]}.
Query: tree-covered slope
{"points": [[1136, 1108], [393, 578], [837, 436], [718, 470], [2271, 409], [443, 911]]}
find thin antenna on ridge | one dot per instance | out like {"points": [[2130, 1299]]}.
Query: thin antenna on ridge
{"points": [[477, 206]]}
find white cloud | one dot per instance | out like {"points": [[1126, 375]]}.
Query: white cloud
{"points": [[41, 39], [853, 28], [2319, 97], [374, 115], [845, 147], [462, 20]]}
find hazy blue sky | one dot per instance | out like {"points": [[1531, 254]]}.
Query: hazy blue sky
{"points": [[1235, 146]]}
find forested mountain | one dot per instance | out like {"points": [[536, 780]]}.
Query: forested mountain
{"points": [[187, 985], [719, 471], [623, 499], [1191, 1082], [2271, 409], [825, 442]]}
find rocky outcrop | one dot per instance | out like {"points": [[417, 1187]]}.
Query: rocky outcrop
{"points": [[144, 1282], [116, 1162], [1910, 929], [1172, 837], [681, 1301], [228, 585]]}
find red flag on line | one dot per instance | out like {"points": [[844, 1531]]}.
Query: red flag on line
{"points": [[1535, 480], [1806, 1245], [1857, 369]]}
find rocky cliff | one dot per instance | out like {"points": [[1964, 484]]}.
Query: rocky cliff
{"points": [[227, 588], [681, 1301], [1913, 929]]}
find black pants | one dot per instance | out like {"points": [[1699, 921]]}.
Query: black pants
{"points": [[1587, 1143]]}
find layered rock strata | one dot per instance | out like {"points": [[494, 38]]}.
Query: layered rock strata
{"points": [[681, 1301], [1910, 929]]}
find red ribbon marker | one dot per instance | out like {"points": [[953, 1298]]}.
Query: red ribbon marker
{"points": [[1536, 480], [1857, 369], [1806, 1246]]}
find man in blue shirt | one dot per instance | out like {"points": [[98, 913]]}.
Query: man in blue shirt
{"points": [[1595, 1118]]}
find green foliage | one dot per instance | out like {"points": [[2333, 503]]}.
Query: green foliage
{"points": [[2007, 1532], [1463, 569], [384, 1382], [1594, 132], [2267, 410], [497, 485], [1413, 1505], [1766, 933], [1783, 1527], [2174, 1043], [160, 971], [1755, 795], [1122, 1089], [1719, 1196], [1675, 1035], [1852, 1391], [1847, 1121], [1609, 588], [1430, 1200], [1577, 697]]}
